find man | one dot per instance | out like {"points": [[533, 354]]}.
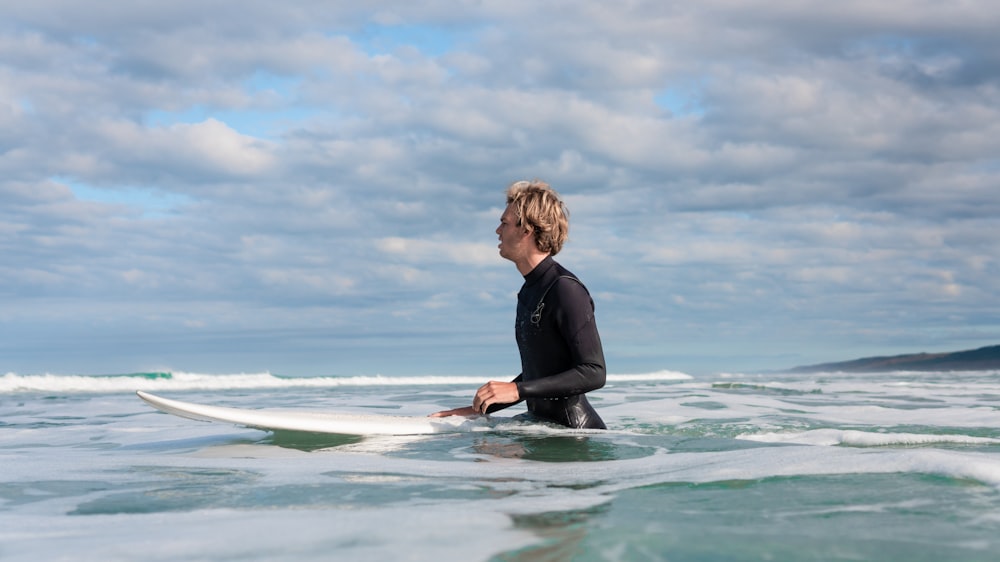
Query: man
{"points": [[561, 353]]}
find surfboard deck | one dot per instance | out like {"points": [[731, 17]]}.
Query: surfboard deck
{"points": [[311, 421]]}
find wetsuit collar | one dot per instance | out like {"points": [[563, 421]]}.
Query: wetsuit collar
{"points": [[536, 274]]}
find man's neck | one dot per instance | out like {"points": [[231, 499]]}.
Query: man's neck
{"points": [[530, 262]]}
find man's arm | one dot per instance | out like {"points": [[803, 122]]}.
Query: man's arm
{"points": [[574, 318]]}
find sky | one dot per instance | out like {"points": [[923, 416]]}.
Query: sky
{"points": [[312, 188]]}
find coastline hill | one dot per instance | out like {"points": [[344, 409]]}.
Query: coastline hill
{"points": [[982, 359]]}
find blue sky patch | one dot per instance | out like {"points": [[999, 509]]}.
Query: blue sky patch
{"points": [[277, 112], [431, 40], [154, 203], [680, 102]]}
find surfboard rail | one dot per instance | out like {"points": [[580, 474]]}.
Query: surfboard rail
{"points": [[311, 421]]}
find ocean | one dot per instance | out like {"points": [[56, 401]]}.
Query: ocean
{"points": [[829, 466]]}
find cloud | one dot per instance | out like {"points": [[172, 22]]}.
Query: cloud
{"points": [[437, 251], [750, 185]]}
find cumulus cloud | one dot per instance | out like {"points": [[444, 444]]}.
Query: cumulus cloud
{"points": [[750, 185]]}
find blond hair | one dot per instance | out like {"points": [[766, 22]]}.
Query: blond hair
{"points": [[540, 210]]}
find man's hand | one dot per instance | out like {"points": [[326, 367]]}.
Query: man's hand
{"points": [[466, 411], [495, 392]]}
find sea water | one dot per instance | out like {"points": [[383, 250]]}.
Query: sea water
{"points": [[832, 466]]}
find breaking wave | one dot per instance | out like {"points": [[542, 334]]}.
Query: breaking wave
{"points": [[160, 381]]}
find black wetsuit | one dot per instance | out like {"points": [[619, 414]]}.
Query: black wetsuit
{"points": [[561, 353]]}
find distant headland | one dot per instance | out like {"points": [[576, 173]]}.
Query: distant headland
{"points": [[982, 359]]}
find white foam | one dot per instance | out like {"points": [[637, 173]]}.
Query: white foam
{"points": [[195, 381], [852, 403], [831, 437], [375, 533], [588, 482], [657, 376], [179, 381]]}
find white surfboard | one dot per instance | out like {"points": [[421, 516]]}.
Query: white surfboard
{"points": [[314, 421]]}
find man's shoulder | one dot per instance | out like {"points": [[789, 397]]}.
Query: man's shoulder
{"points": [[567, 284], [558, 270], [563, 283]]}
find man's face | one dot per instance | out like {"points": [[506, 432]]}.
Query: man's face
{"points": [[512, 237]]}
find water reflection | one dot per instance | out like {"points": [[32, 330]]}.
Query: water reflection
{"points": [[557, 448], [305, 441]]}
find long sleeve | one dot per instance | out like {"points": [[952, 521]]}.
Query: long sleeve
{"points": [[573, 317]]}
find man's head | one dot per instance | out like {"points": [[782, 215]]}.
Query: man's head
{"points": [[540, 211]]}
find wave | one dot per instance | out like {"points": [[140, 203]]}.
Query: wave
{"points": [[159, 381], [855, 438]]}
